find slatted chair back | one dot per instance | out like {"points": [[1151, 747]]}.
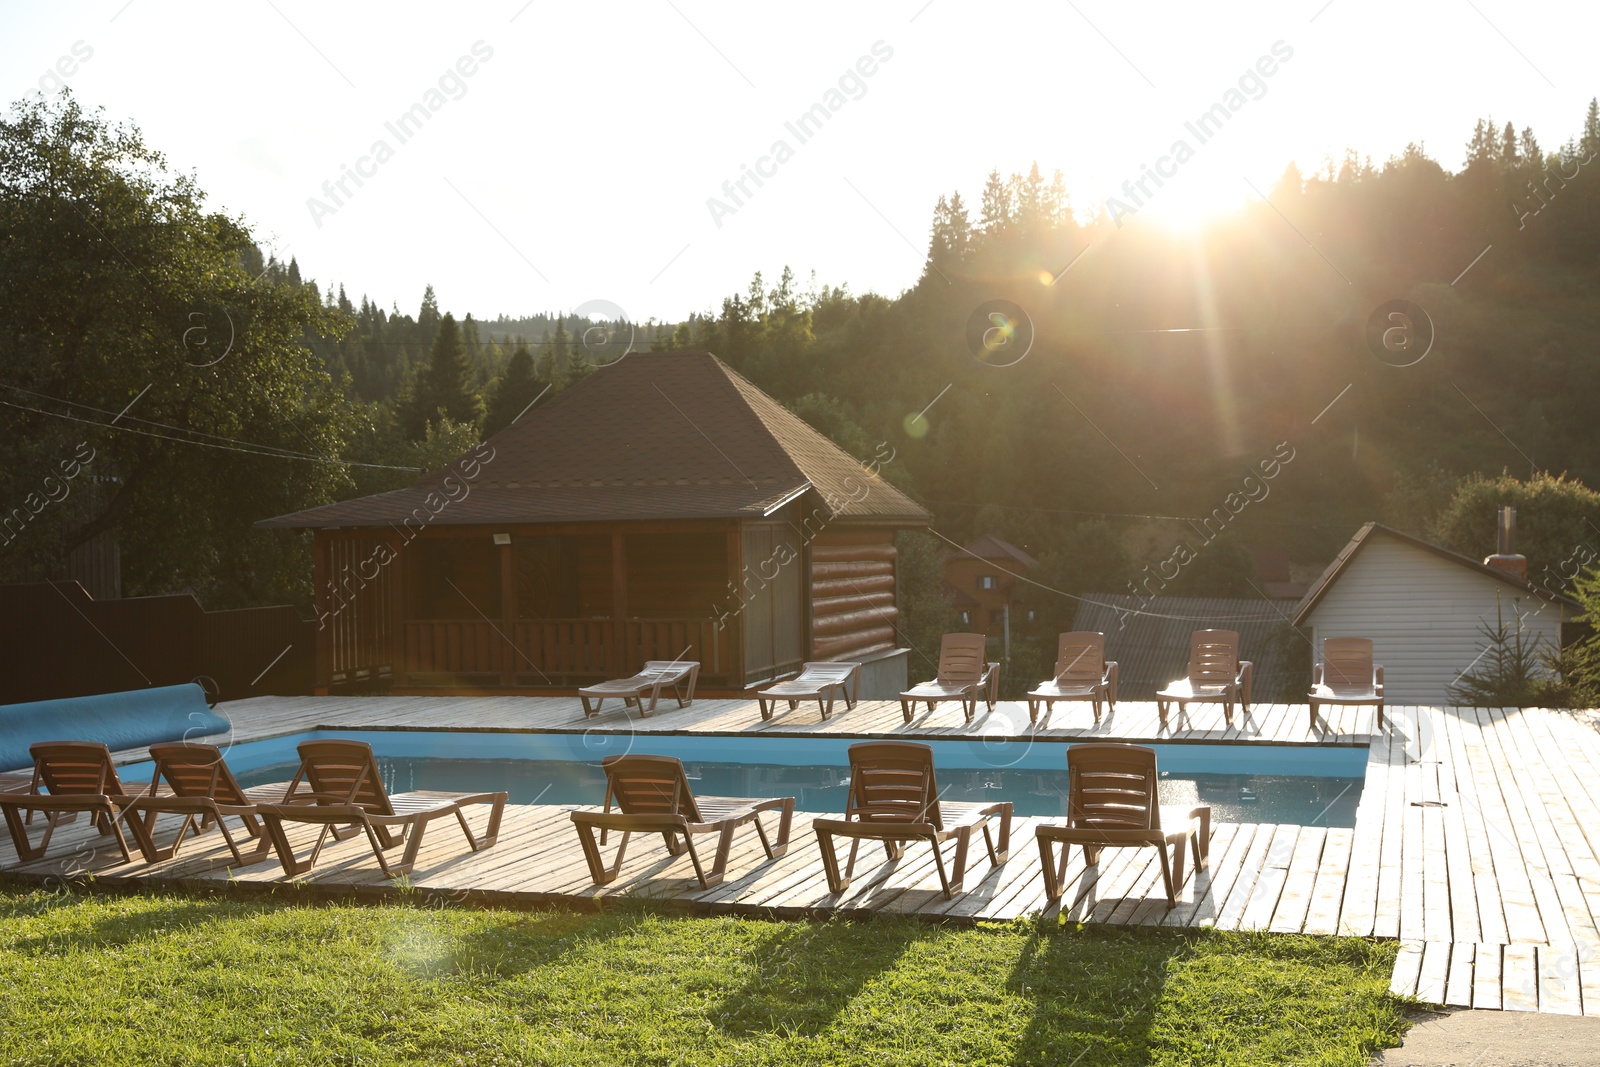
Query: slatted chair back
{"points": [[962, 659], [649, 785], [75, 768], [1347, 664], [892, 781], [1113, 787], [192, 769], [1081, 658], [827, 673], [1213, 657], [344, 771]]}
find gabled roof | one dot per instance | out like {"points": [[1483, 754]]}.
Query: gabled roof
{"points": [[1149, 637], [656, 435], [988, 546], [1374, 530]]}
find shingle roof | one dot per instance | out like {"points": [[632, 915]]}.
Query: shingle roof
{"points": [[988, 546], [1149, 639], [1371, 529], [657, 435]]}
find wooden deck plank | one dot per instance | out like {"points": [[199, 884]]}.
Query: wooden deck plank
{"points": [[1486, 976], [1458, 984], [1433, 972], [1407, 969], [1519, 979]]}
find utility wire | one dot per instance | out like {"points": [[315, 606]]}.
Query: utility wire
{"points": [[161, 425], [208, 444], [1098, 603]]}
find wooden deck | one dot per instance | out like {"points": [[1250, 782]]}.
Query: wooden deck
{"points": [[1477, 840]]}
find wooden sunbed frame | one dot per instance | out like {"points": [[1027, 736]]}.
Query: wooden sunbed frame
{"points": [[656, 675], [816, 681], [652, 795], [1216, 676], [965, 674], [201, 787], [71, 777], [342, 788], [1082, 673], [894, 799], [1114, 801], [1347, 675]]}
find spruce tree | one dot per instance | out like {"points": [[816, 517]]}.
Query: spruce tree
{"points": [[515, 390]]}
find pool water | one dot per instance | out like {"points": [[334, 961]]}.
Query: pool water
{"points": [[1309, 800]]}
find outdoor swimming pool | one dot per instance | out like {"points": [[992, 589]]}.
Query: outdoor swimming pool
{"points": [[1312, 785]]}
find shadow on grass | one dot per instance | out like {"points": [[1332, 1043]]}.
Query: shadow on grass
{"points": [[161, 917], [1095, 991], [528, 941], [805, 974]]}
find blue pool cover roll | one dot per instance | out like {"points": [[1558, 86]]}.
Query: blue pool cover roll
{"points": [[132, 719]]}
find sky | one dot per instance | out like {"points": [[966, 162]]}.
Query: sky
{"points": [[583, 156]]}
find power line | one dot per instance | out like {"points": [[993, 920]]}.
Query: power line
{"points": [[1125, 514], [1100, 603], [151, 422], [208, 444]]}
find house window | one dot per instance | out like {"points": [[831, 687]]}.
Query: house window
{"points": [[1033, 616], [966, 618], [988, 581]]}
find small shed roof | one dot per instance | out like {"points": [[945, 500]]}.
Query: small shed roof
{"points": [[655, 435], [1373, 530], [1149, 637], [989, 546]]}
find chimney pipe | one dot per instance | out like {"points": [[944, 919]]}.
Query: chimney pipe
{"points": [[1505, 557]]}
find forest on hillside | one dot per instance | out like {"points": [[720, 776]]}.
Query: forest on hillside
{"points": [[1141, 374]]}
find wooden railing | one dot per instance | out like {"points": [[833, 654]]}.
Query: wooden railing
{"points": [[554, 651]]}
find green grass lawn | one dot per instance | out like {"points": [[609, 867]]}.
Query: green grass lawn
{"points": [[92, 978]]}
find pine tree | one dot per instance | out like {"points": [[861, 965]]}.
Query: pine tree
{"points": [[1590, 142], [444, 389], [428, 319], [513, 393], [995, 213], [1508, 148]]}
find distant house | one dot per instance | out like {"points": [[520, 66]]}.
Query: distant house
{"points": [[1424, 608], [662, 507], [1149, 639], [981, 584]]}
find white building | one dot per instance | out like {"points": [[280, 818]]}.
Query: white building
{"points": [[1424, 608]]}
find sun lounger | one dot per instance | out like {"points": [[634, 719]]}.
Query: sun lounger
{"points": [[1347, 675], [1113, 801], [680, 674], [964, 675], [338, 785], [652, 795], [1082, 673], [816, 681], [200, 786], [1216, 676], [894, 799], [70, 777]]}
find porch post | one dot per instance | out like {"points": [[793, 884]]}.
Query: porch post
{"points": [[397, 614], [733, 636], [324, 613], [622, 655], [508, 613]]}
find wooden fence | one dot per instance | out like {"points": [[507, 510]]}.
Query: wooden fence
{"points": [[58, 641]]}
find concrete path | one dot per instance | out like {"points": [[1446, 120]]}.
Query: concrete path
{"points": [[1498, 1039]]}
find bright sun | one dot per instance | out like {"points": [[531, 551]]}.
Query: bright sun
{"points": [[1193, 199]]}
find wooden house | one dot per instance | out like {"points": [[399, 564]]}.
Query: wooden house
{"points": [[662, 507], [981, 582]]}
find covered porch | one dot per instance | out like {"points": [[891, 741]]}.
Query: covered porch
{"points": [[475, 608]]}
